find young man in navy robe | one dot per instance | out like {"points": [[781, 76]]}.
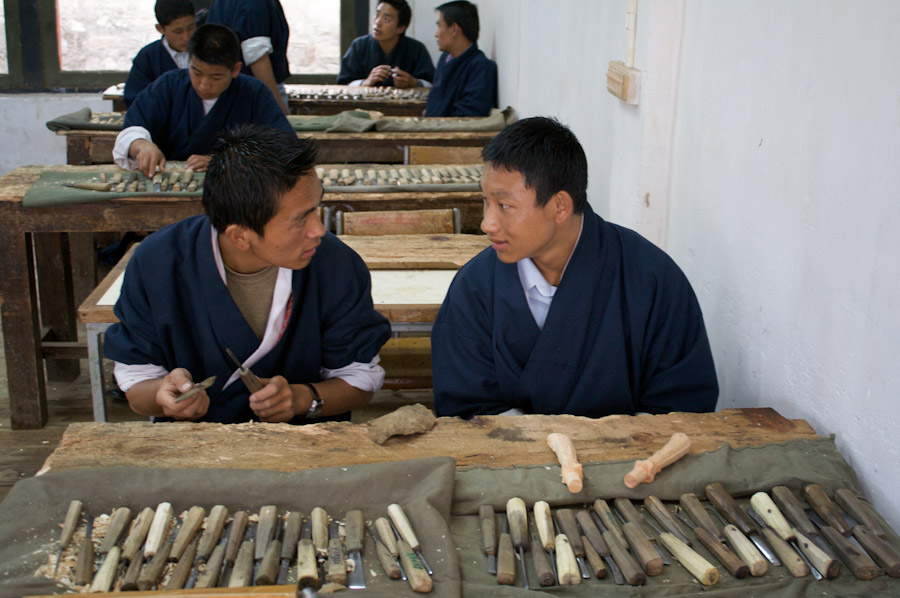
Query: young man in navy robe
{"points": [[175, 21], [257, 275], [387, 57], [180, 115], [564, 313], [263, 31], [465, 83]]}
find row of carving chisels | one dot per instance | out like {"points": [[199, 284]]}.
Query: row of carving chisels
{"points": [[156, 550], [618, 541]]}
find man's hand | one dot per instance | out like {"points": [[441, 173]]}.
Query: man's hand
{"points": [[379, 73], [275, 402], [197, 162], [176, 382], [148, 156], [402, 79]]}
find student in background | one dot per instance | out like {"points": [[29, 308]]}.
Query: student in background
{"points": [[263, 32], [175, 21], [180, 115], [466, 80], [387, 57]]}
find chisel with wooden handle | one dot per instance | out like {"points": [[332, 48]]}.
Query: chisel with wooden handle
{"points": [[292, 526], [489, 536], [698, 566], [826, 509], [882, 552], [727, 507], [237, 528], [545, 575], [267, 572], [391, 567], [336, 566], [212, 568], [566, 523], [406, 531], [265, 530], [793, 510], [565, 562], [307, 563], [506, 556], [73, 515], [195, 389], [152, 572], [84, 568], [592, 538], [137, 535], [659, 511], [851, 503], [189, 528], [517, 514], [794, 560], [105, 576], [594, 560], [129, 581], [627, 513], [118, 523], [856, 559], [212, 532], [817, 560], [242, 571], [183, 568], [745, 549], [768, 516], [620, 562], [716, 546], [318, 520], [353, 543], [251, 380], [390, 542], [645, 552], [418, 577], [544, 522], [609, 520], [698, 514]]}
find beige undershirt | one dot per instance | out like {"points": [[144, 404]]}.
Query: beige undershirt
{"points": [[253, 295]]}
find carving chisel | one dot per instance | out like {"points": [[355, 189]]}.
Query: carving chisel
{"points": [[727, 506], [107, 572], [307, 564], [390, 542], [212, 532], [793, 510], [645, 551], [251, 380], [195, 389], [627, 513], [659, 511], [265, 531], [860, 511], [489, 536], [189, 528], [353, 542], [856, 559], [794, 560], [883, 553], [267, 572], [319, 522], [118, 523], [517, 514], [73, 515], [398, 517], [152, 572], [388, 563], [129, 581], [336, 566], [698, 514], [417, 575], [826, 509], [292, 526], [506, 558], [609, 520], [744, 548], [235, 537], [242, 571], [621, 562], [596, 550], [565, 522], [716, 546], [565, 562], [766, 510], [698, 566], [137, 535], [546, 576], [84, 569], [544, 522], [182, 576]]}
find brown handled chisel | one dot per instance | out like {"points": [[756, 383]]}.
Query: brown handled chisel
{"points": [[545, 574], [267, 572], [196, 389], [73, 514], [398, 517], [716, 546], [354, 545], [251, 381], [544, 522], [744, 547], [386, 531], [235, 535], [84, 569], [853, 555], [727, 507], [659, 511], [861, 512], [628, 514], [565, 523], [489, 536], [794, 560], [292, 526], [388, 563], [827, 510]]}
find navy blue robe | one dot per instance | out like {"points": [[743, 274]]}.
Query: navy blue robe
{"points": [[152, 61], [173, 113], [464, 86], [365, 53], [624, 334], [256, 18], [175, 311]]}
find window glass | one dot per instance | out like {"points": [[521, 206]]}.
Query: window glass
{"points": [[315, 43], [4, 61]]}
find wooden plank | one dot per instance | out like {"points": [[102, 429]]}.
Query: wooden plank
{"points": [[426, 154], [432, 252], [484, 441]]}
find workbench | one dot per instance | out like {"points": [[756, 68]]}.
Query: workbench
{"points": [[24, 327], [440, 477]]}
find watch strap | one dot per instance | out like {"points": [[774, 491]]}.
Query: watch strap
{"points": [[315, 407]]}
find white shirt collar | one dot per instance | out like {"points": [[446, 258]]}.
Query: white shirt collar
{"points": [[181, 58]]}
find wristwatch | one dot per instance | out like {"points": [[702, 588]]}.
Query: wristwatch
{"points": [[315, 407]]}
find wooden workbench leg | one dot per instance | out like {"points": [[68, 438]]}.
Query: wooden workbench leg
{"points": [[84, 264], [21, 326], [57, 300], [95, 365]]}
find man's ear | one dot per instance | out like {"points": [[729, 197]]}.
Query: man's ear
{"points": [[564, 206], [237, 69], [160, 29], [238, 236]]}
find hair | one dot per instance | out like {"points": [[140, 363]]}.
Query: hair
{"points": [[252, 167], [169, 10], [464, 14], [404, 12], [215, 44], [547, 154]]}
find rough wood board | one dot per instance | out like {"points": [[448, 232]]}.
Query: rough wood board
{"points": [[491, 441], [416, 251]]}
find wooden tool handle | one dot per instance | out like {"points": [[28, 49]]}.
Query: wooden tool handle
{"points": [[416, 575], [566, 567], [73, 515], [595, 561], [850, 503], [209, 577], [770, 513], [517, 514], [690, 503], [726, 505], [152, 573], [630, 569], [307, 567], [885, 554], [748, 552], [292, 534], [336, 566], [787, 555], [265, 530], [84, 568], [319, 520], [859, 563], [192, 522], [390, 566], [236, 535], [212, 531], [397, 515], [567, 524], [643, 550], [729, 560], [129, 581], [572, 475], [698, 566], [267, 572], [387, 535], [826, 509], [353, 542], [791, 507], [646, 470], [159, 529], [137, 535], [114, 530], [107, 573], [243, 566], [544, 521], [821, 560], [609, 520], [545, 574], [590, 531], [183, 568], [629, 513], [506, 561], [662, 514], [488, 529]]}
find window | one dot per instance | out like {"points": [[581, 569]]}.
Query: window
{"points": [[4, 60]]}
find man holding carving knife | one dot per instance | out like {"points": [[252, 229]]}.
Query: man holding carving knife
{"points": [[259, 276], [564, 313]]}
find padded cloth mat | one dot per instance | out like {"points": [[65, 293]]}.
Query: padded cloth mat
{"points": [[32, 513], [742, 471], [84, 120], [495, 121], [49, 191]]}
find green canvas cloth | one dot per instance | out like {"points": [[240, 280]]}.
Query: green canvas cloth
{"points": [[493, 122], [443, 187], [49, 190], [84, 120], [30, 515]]}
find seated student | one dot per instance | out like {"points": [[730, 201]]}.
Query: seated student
{"points": [[257, 275], [565, 312], [180, 115], [387, 56], [263, 31], [175, 21], [465, 83]]}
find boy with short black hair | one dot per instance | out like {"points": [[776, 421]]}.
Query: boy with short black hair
{"points": [[387, 57], [175, 21], [179, 116]]}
